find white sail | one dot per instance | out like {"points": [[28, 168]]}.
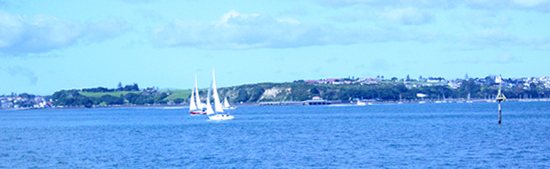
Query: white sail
{"points": [[192, 104], [209, 109], [226, 103], [197, 97], [208, 105], [217, 104]]}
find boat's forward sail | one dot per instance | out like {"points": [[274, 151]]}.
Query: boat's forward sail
{"points": [[197, 97], [217, 104], [192, 104], [226, 103]]}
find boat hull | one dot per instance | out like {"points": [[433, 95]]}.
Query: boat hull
{"points": [[229, 108], [221, 117], [198, 112]]}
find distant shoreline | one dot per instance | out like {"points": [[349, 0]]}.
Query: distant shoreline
{"points": [[344, 103]]}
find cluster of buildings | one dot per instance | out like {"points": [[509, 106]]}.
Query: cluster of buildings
{"points": [[545, 81], [525, 83], [19, 102], [337, 81]]}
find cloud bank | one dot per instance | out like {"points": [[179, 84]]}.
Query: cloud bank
{"points": [[24, 72], [246, 31], [407, 16], [20, 35], [539, 5], [375, 21], [240, 31]]}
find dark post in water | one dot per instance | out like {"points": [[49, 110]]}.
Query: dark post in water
{"points": [[500, 97]]}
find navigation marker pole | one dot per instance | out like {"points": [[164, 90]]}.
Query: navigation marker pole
{"points": [[500, 97]]}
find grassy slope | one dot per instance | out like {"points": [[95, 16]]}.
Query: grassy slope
{"points": [[184, 94], [115, 94], [175, 94]]}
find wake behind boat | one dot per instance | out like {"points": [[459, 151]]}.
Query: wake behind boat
{"points": [[216, 113]]}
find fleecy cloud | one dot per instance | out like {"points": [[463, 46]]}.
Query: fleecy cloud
{"points": [[238, 31], [139, 1], [539, 5], [407, 16], [21, 35], [504, 59], [246, 31], [25, 72], [101, 31]]}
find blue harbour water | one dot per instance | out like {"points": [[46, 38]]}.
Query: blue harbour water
{"points": [[451, 135]]}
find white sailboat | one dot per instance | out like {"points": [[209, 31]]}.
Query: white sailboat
{"points": [[195, 105], [361, 103], [216, 113], [226, 104]]}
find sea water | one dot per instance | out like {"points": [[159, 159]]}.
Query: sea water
{"points": [[450, 135]]}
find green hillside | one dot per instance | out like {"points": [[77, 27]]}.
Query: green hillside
{"points": [[300, 91], [114, 94]]}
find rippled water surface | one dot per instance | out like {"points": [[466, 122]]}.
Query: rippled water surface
{"points": [[457, 135]]}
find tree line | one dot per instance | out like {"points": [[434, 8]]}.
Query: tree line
{"points": [[300, 91], [391, 91], [133, 87], [133, 96]]}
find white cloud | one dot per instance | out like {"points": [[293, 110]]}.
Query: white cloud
{"points": [[531, 3], [248, 31], [238, 31], [407, 16], [108, 29], [242, 31], [139, 1], [537, 43], [539, 5], [504, 59], [466, 60], [25, 72], [390, 3], [483, 39], [41, 33], [288, 20], [236, 15], [486, 19], [493, 37], [296, 11]]}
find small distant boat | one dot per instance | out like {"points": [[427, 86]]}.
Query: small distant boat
{"points": [[195, 105], [361, 103], [226, 105], [217, 113], [469, 100]]}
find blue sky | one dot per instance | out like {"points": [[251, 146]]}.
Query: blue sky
{"points": [[46, 46]]}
